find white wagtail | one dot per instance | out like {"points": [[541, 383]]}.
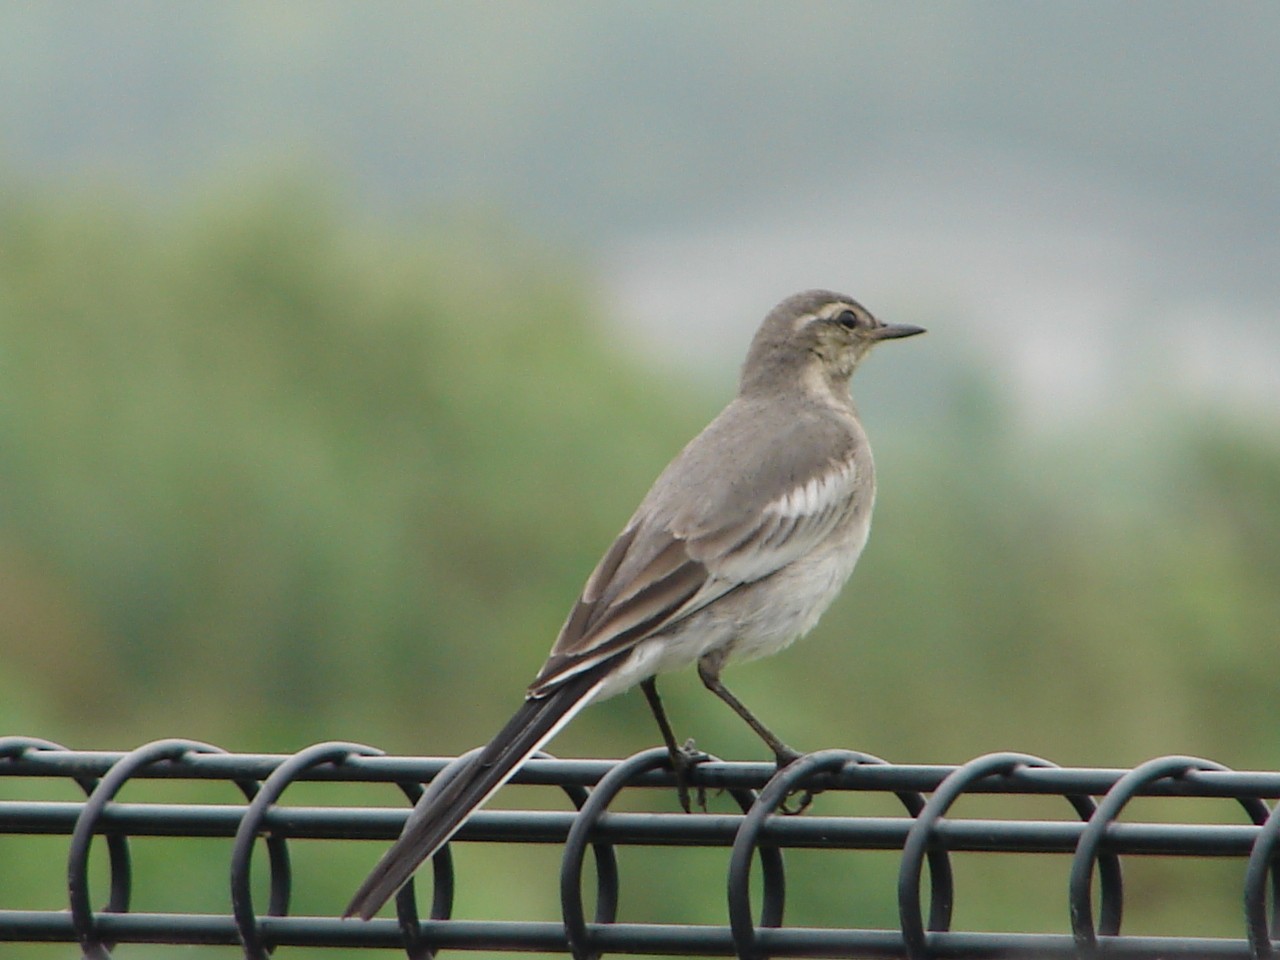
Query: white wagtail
{"points": [[740, 546]]}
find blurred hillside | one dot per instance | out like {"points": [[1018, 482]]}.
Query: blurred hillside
{"points": [[271, 475], [262, 471], [1095, 183]]}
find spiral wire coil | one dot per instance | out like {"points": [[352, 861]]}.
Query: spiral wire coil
{"points": [[926, 835]]}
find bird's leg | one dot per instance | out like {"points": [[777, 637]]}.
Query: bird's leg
{"points": [[709, 671], [683, 758]]}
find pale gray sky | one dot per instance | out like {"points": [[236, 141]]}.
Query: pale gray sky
{"points": [[1066, 190]]}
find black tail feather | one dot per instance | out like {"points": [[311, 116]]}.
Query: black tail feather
{"points": [[446, 805]]}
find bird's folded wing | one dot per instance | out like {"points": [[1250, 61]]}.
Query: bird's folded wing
{"points": [[658, 572]]}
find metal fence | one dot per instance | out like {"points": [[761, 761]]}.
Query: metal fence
{"points": [[927, 833]]}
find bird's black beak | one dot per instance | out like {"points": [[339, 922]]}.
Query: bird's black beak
{"points": [[895, 331]]}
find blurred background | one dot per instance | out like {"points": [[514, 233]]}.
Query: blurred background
{"points": [[338, 340]]}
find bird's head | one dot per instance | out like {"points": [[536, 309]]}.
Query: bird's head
{"points": [[815, 332]]}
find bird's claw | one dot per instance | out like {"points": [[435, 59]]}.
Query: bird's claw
{"points": [[786, 756], [806, 798], [683, 761]]}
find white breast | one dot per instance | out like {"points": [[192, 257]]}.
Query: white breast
{"points": [[778, 611]]}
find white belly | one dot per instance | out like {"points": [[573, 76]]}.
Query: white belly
{"points": [[755, 620], [789, 604]]}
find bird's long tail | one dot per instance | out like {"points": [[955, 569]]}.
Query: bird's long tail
{"points": [[446, 806]]}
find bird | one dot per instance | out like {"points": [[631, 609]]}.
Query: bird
{"points": [[738, 548]]}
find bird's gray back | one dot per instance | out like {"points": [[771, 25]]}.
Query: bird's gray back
{"points": [[737, 465]]}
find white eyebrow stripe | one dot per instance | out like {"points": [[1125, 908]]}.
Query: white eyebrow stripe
{"points": [[824, 313], [815, 495]]}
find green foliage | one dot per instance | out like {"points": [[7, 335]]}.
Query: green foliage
{"points": [[268, 477]]}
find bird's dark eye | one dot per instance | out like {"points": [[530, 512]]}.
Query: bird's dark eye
{"points": [[847, 319]]}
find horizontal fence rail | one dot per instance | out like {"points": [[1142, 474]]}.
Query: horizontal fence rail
{"points": [[926, 834]]}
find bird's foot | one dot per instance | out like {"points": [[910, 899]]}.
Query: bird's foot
{"points": [[683, 760], [806, 798], [786, 756]]}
